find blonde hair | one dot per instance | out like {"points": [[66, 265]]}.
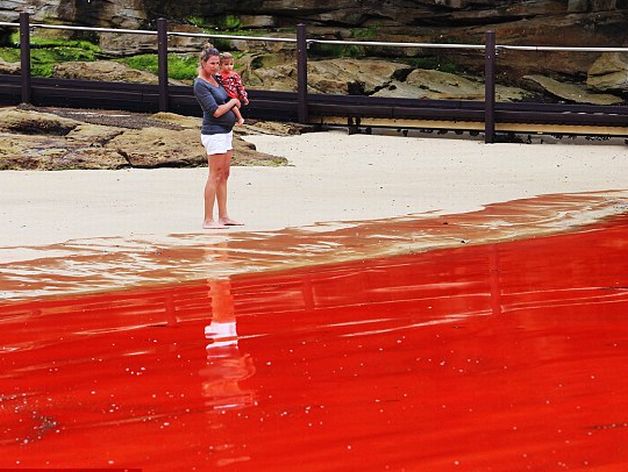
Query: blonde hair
{"points": [[225, 56], [208, 51]]}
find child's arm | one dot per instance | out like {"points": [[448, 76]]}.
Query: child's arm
{"points": [[239, 86]]}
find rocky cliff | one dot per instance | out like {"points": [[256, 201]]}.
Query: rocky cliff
{"points": [[530, 22], [603, 20]]}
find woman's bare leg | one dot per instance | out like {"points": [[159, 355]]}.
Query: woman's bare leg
{"points": [[223, 214], [222, 174], [214, 190]]}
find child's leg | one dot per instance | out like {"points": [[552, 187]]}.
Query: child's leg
{"points": [[240, 120]]}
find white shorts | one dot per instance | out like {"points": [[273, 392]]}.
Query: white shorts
{"points": [[217, 143]]}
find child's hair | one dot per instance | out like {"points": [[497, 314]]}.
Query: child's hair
{"points": [[208, 51], [225, 56]]}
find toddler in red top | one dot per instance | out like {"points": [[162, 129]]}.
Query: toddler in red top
{"points": [[232, 83]]}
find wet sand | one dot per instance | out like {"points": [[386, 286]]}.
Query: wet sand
{"points": [[500, 357], [97, 264]]}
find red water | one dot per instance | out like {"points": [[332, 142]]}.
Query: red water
{"points": [[500, 357]]}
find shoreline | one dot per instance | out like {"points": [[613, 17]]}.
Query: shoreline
{"points": [[106, 264]]}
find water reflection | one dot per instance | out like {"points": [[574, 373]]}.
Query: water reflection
{"points": [[227, 366]]}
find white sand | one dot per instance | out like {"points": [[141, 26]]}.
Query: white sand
{"points": [[334, 177]]}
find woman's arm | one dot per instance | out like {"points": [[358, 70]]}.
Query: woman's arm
{"points": [[225, 107]]}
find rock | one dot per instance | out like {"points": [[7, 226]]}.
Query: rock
{"points": [[572, 92], [283, 77], [361, 77], [551, 28], [444, 85], [188, 122], [35, 140], [93, 135], [106, 71], [119, 45], [127, 14], [397, 89], [273, 47], [158, 147], [114, 44], [257, 21], [272, 128], [577, 6], [337, 76], [9, 67], [13, 120], [433, 84], [250, 127], [609, 72], [40, 152]]}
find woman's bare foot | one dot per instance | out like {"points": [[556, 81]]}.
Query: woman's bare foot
{"points": [[211, 224], [229, 222]]}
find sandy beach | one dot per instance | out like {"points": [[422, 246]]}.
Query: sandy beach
{"points": [[333, 176]]}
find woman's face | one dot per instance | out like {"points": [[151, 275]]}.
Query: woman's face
{"points": [[211, 65]]}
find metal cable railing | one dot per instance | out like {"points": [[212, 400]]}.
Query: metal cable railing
{"points": [[151, 32], [323, 41]]}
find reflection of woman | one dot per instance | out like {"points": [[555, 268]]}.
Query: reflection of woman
{"points": [[226, 365], [222, 329], [216, 136]]}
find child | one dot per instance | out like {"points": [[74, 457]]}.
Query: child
{"points": [[232, 83]]}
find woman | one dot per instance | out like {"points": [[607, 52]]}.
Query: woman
{"points": [[216, 136]]}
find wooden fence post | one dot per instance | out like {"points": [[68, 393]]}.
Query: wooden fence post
{"points": [[302, 111], [162, 62], [25, 57], [489, 88]]}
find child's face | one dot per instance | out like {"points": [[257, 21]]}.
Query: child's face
{"points": [[226, 64]]}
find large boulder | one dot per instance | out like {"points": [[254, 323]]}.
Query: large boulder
{"points": [[363, 77], [337, 76], [115, 44], [609, 72], [107, 71], [572, 92], [35, 140], [437, 85], [13, 120]]}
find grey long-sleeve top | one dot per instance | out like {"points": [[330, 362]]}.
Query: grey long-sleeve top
{"points": [[210, 98]]}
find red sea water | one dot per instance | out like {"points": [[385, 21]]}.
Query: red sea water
{"points": [[490, 357]]}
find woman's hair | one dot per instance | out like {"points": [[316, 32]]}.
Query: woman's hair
{"points": [[225, 56], [207, 52]]}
